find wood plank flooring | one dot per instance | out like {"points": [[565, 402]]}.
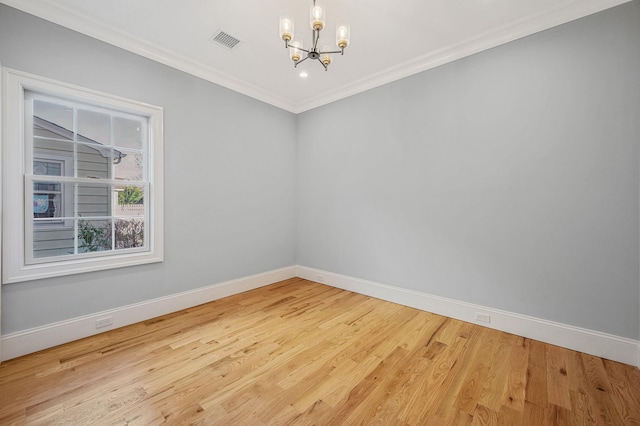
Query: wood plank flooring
{"points": [[302, 353]]}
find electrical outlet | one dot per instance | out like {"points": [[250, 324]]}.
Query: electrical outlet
{"points": [[483, 317], [104, 322], [320, 278]]}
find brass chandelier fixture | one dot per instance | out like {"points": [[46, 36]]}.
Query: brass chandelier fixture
{"points": [[298, 53]]}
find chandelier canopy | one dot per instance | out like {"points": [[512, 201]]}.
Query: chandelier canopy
{"points": [[298, 53]]}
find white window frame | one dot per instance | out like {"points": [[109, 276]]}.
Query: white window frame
{"points": [[17, 165]]}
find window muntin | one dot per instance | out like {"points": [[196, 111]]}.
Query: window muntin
{"points": [[74, 156]]}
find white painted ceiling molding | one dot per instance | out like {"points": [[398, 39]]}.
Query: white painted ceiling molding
{"points": [[390, 40]]}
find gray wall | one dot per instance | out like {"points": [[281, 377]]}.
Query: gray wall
{"points": [[507, 179], [229, 198]]}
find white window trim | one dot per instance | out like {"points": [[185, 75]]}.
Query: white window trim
{"points": [[14, 266]]}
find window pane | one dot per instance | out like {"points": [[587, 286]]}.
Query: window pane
{"points": [[94, 127], [53, 147], [94, 161], [51, 199], [94, 235], [127, 133], [129, 165], [129, 233], [50, 240], [129, 200], [93, 200], [52, 121], [47, 204], [47, 168]]}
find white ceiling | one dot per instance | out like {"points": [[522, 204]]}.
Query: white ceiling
{"points": [[389, 39]]}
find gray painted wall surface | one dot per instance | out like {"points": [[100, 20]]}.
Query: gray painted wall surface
{"points": [[507, 179], [229, 197]]}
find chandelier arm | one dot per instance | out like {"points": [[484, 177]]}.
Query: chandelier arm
{"points": [[299, 62], [330, 51], [323, 64], [299, 48], [316, 37]]}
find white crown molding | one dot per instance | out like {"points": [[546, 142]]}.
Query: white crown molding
{"points": [[35, 339], [565, 11], [99, 30], [596, 343]]}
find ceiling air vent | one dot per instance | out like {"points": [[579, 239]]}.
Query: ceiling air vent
{"points": [[226, 40]]}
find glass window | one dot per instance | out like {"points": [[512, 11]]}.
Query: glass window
{"points": [[92, 174]]}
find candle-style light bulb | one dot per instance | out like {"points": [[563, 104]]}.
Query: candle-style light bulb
{"points": [[286, 26], [317, 17], [343, 34], [296, 53], [325, 57]]}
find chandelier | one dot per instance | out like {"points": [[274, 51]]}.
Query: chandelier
{"points": [[297, 51]]}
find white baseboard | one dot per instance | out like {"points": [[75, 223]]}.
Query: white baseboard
{"points": [[28, 341], [604, 345], [592, 342]]}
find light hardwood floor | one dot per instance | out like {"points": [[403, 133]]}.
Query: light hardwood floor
{"points": [[298, 352]]}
